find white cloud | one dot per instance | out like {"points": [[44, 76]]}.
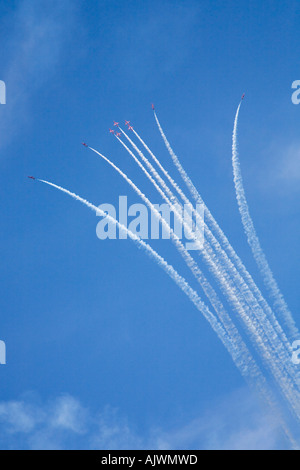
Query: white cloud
{"points": [[37, 37], [63, 423], [289, 168], [235, 423], [281, 168], [69, 415], [18, 417]]}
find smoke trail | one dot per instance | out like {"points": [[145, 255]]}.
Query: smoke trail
{"points": [[165, 172], [255, 329], [253, 240], [191, 294], [241, 285], [247, 367], [179, 280], [177, 163], [157, 187], [227, 250], [151, 169]]}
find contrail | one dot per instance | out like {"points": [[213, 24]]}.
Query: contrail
{"points": [[247, 364], [160, 166], [183, 285], [151, 169], [196, 196], [229, 251], [144, 170], [253, 240], [179, 280], [177, 163], [253, 327], [226, 284]]}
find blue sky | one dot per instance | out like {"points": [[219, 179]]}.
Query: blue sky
{"points": [[92, 326]]}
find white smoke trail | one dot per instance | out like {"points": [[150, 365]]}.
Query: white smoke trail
{"points": [[214, 242], [247, 365], [192, 295], [177, 163], [255, 329], [151, 169], [157, 187], [227, 250], [164, 187], [279, 303], [179, 280], [161, 167]]}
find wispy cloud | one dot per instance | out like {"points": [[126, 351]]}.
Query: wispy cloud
{"points": [[283, 167], [38, 35], [235, 423], [64, 423], [289, 165]]}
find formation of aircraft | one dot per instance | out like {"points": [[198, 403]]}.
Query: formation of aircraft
{"points": [[127, 123], [118, 134]]}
